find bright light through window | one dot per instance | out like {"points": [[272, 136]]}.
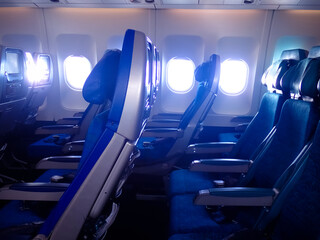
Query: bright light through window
{"points": [[180, 75], [233, 77], [77, 69], [43, 67], [31, 68]]}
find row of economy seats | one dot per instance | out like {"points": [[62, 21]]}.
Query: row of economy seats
{"points": [[268, 191], [166, 142], [86, 206]]}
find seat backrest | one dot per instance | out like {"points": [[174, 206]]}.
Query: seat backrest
{"points": [[13, 87], [299, 216], [270, 106], [99, 173], [293, 129], [207, 74]]}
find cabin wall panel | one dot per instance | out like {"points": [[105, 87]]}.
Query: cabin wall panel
{"points": [[213, 27], [293, 29], [100, 29]]}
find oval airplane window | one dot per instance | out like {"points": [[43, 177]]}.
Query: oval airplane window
{"points": [[76, 70], [233, 76], [180, 75]]}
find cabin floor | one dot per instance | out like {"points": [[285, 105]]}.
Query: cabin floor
{"points": [[140, 219]]}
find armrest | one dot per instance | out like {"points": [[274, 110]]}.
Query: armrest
{"points": [[59, 162], [222, 165], [236, 196], [163, 123], [78, 114], [167, 116], [33, 191], [74, 146], [54, 129], [69, 121], [210, 148], [241, 127], [163, 132]]}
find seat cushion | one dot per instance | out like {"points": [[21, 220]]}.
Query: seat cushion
{"points": [[184, 181], [185, 217], [49, 146]]}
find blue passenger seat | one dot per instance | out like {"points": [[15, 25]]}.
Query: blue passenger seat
{"points": [[88, 206], [161, 147], [253, 138], [270, 78], [267, 175], [68, 143]]}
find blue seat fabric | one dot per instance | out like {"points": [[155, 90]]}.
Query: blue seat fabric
{"points": [[300, 214], [299, 217]]}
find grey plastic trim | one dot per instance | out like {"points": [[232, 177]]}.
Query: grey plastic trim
{"points": [[214, 165], [210, 148], [59, 162]]}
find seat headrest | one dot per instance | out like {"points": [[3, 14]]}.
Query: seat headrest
{"points": [[100, 84], [294, 54], [202, 72], [207, 71], [310, 79], [314, 52], [301, 80]]}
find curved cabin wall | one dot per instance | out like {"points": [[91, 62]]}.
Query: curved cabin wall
{"points": [[255, 36]]}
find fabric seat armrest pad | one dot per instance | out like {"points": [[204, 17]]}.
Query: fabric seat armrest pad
{"points": [[163, 132], [236, 196], [222, 165], [59, 162], [210, 148], [33, 191]]}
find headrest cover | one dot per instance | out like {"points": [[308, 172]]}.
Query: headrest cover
{"points": [[215, 72], [314, 52], [294, 54], [310, 79], [101, 82], [202, 72]]}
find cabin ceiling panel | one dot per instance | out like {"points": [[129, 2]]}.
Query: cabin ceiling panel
{"points": [[268, 2], [180, 1]]}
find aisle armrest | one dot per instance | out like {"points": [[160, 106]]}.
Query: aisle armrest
{"points": [[33, 191], [163, 123], [236, 196], [56, 129], [73, 147], [163, 132], [69, 121], [59, 162], [210, 148], [221, 165]]}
